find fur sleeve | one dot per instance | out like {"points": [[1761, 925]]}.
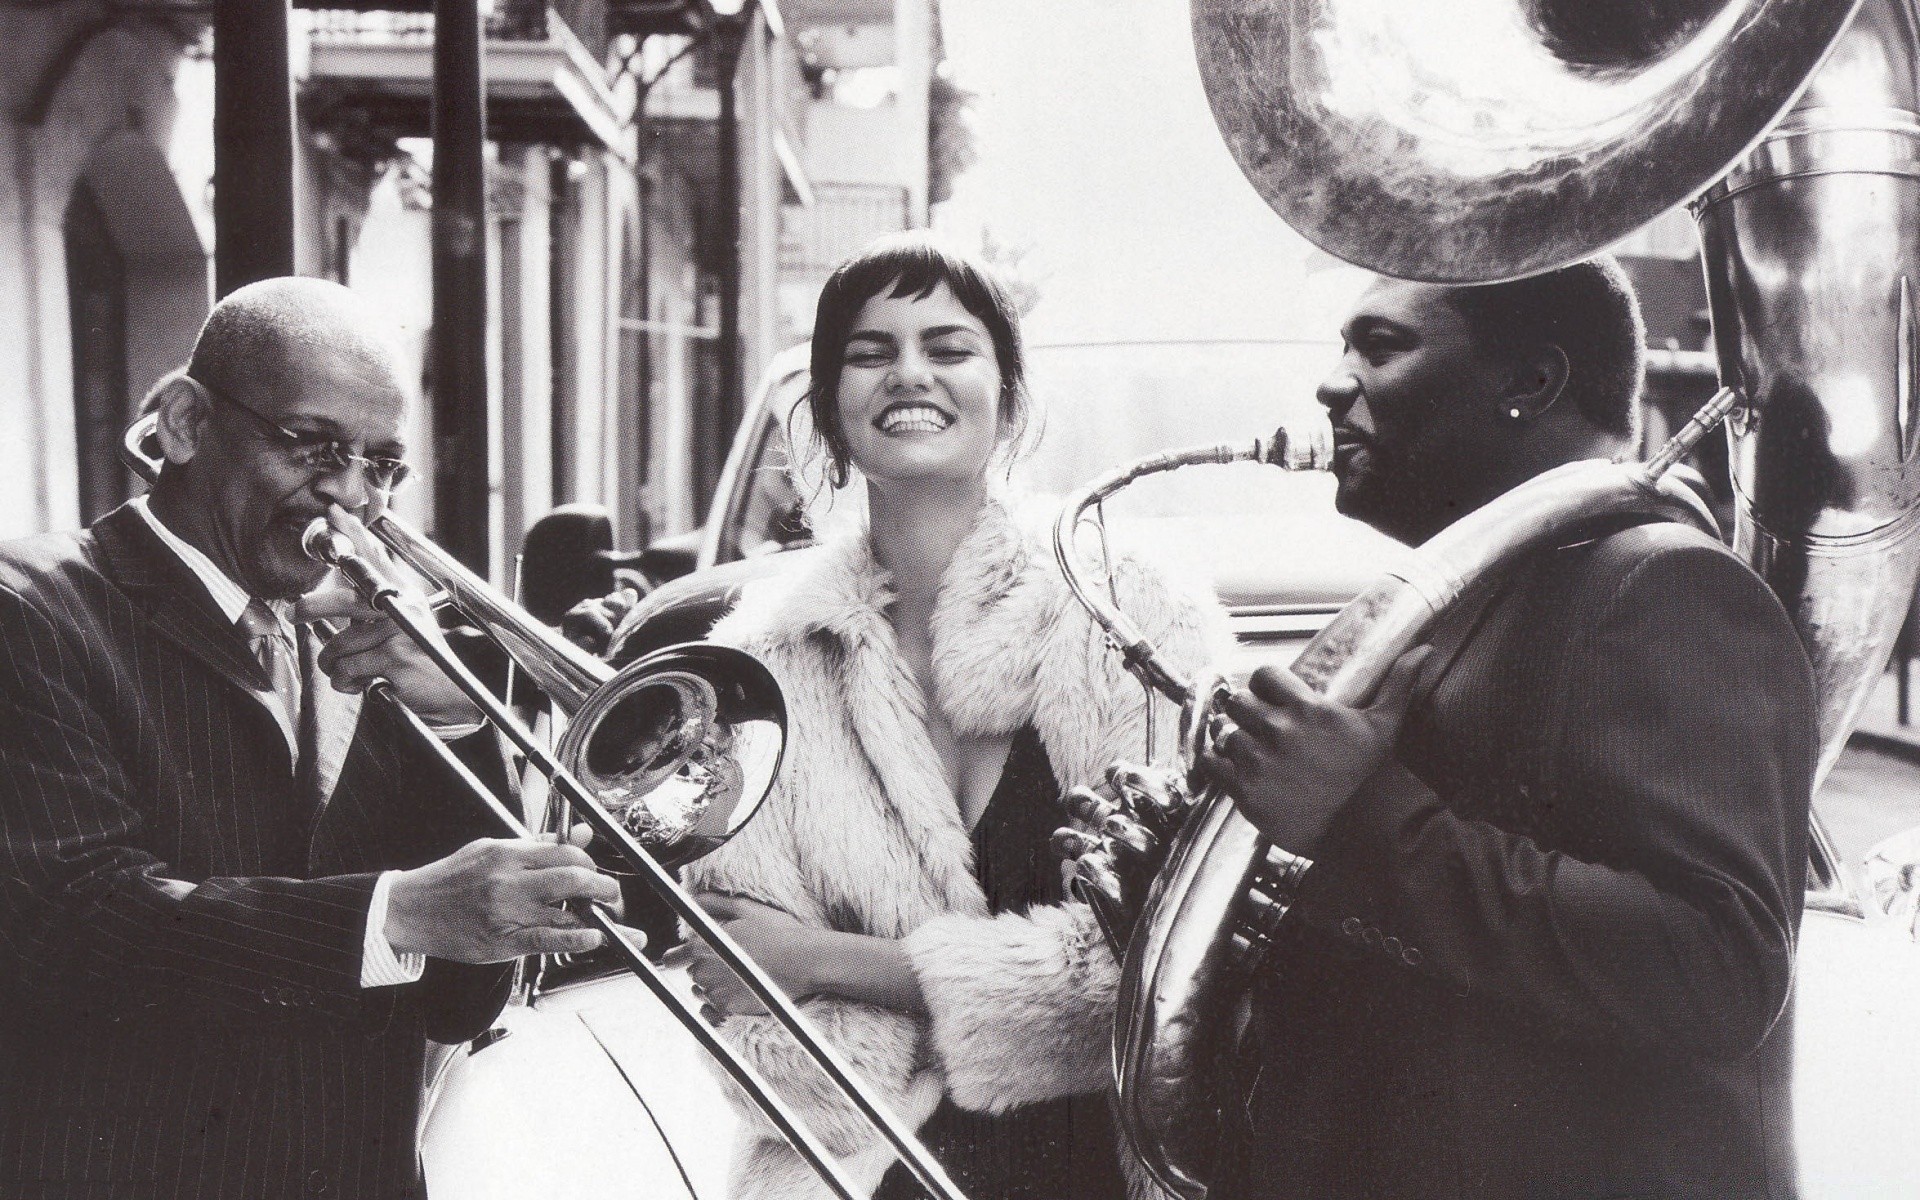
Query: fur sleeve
{"points": [[883, 1047], [764, 859], [775, 859], [1020, 1004], [762, 863]]}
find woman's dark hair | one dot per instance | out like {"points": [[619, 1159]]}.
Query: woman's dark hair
{"points": [[901, 266]]}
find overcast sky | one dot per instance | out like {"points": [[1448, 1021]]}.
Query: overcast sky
{"points": [[1099, 158]]}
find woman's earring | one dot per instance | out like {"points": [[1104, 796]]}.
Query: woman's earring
{"points": [[1515, 415]]}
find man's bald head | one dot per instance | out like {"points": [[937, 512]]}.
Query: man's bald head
{"points": [[281, 367], [264, 330]]}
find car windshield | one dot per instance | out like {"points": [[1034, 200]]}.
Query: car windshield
{"points": [[1265, 539]]}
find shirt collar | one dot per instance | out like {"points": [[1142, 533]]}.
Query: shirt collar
{"points": [[231, 598]]}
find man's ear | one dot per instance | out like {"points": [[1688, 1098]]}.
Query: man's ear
{"points": [[182, 406], [1537, 380]]}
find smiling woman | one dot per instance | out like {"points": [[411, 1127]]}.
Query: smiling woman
{"points": [[920, 392], [943, 689], [900, 319]]}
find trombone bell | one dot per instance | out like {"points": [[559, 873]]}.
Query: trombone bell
{"points": [[680, 746]]}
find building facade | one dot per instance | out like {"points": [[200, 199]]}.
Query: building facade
{"points": [[104, 241], [618, 135]]}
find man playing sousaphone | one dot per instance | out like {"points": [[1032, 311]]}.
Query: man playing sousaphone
{"points": [[1546, 944]]}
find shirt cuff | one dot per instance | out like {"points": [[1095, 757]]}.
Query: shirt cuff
{"points": [[379, 965], [453, 733]]}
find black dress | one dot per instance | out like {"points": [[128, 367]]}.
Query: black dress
{"points": [[1058, 1149]]}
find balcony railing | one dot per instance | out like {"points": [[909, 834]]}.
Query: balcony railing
{"points": [[842, 218], [543, 83], [506, 21]]}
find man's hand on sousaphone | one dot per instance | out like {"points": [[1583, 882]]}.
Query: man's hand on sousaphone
{"points": [[1121, 831], [1288, 756], [1291, 757]]}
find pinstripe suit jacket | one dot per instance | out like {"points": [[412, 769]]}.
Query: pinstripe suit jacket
{"points": [[160, 1040], [1549, 956]]}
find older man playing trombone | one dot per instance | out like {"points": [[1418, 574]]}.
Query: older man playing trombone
{"points": [[234, 902]]}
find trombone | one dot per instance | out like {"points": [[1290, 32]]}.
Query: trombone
{"points": [[683, 744]]}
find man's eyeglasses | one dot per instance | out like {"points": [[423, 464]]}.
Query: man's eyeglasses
{"points": [[318, 454]]}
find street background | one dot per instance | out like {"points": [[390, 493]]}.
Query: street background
{"points": [[666, 183]]}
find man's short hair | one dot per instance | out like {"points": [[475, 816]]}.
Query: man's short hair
{"points": [[1590, 312]]}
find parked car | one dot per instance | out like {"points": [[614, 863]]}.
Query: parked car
{"points": [[1283, 562]]}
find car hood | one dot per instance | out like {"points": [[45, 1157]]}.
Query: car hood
{"points": [[1856, 1057], [1278, 562]]}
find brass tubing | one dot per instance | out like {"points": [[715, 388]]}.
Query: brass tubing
{"points": [[382, 593]]}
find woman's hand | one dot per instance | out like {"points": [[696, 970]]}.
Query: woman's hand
{"points": [[781, 946], [802, 959]]}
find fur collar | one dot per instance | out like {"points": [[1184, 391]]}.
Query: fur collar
{"points": [[998, 602], [862, 781]]}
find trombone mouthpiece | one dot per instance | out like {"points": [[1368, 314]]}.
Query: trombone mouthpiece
{"points": [[322, 544]]}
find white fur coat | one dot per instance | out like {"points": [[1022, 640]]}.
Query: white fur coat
{"points": [[863, 833]]}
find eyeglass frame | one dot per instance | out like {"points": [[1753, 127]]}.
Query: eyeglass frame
{"points": [[320, 455]]}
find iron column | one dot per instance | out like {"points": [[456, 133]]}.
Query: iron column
{"points": [[462, 494], [716, 428], [252, 143]]}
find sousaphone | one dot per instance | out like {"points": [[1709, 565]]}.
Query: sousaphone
{"points": [[1482, 140]]}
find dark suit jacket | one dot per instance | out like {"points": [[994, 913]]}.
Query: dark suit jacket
{"points": [[157, 1041], [1550, 955]]}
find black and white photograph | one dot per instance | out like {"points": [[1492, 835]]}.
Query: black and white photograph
{"points": [[966, 599]]}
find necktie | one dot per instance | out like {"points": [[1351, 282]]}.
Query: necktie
{"points": [[275, 654]]}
